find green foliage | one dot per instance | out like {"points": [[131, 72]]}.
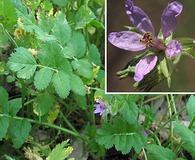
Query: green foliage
{"points": [[60, 152], [83, 17], [121, 135], [77, 85], [61, 29], [4, 123], [7, 14], [127, 109], [191, 106], [94, 55], [43, 103], [13, 106], [28, 22], [23, 63], [61, 82], [19, 131], [156, 152], [61, 3], [43, 78], [76, 47], [83, 68], [187, 137], [3, 97]]}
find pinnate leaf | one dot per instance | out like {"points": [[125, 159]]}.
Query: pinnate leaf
{"points": [[61, 82], [23, 63], [43, 78], [121, 135]]}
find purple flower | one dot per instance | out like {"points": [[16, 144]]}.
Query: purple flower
{"points": [[132, 41], [100, 107]]}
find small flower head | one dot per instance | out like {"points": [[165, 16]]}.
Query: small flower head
{"points": [[100, 107]]}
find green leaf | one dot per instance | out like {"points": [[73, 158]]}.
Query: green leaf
{"points": [[61, 29], [83, 68], [187, 137], [29, 23], [4, 123], [19, 131], [61, 82], [51, 55], [60, 152], [43, 104], [83, 17], [43, 78], [76, 47], [60, 3], [77, 85], [3, 97], [156, 152], [94, 55], [23, 63], [129, 112], [121, 135], [7, 14], [191, 106], [13, 106], [81, 101]]}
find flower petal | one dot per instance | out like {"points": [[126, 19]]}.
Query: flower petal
{"points": [[173, 48], [127, 40], [168, 19], [144, 66], [139, 18]]}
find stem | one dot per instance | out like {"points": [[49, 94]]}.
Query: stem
{"points": [[10, 37], [145, 156], [173, 116], [155, 136], [191, 123], [39, 65], [152, 99], [171, 123], [174, 106], [67, 122], [46, 124]]}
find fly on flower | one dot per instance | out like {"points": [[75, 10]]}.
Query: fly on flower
{"points": [[156, 48]]}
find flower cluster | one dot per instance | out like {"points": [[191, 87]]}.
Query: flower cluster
{"points": [[146, 38]]}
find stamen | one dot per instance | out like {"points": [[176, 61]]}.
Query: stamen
{"points": [[147, 39]]}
